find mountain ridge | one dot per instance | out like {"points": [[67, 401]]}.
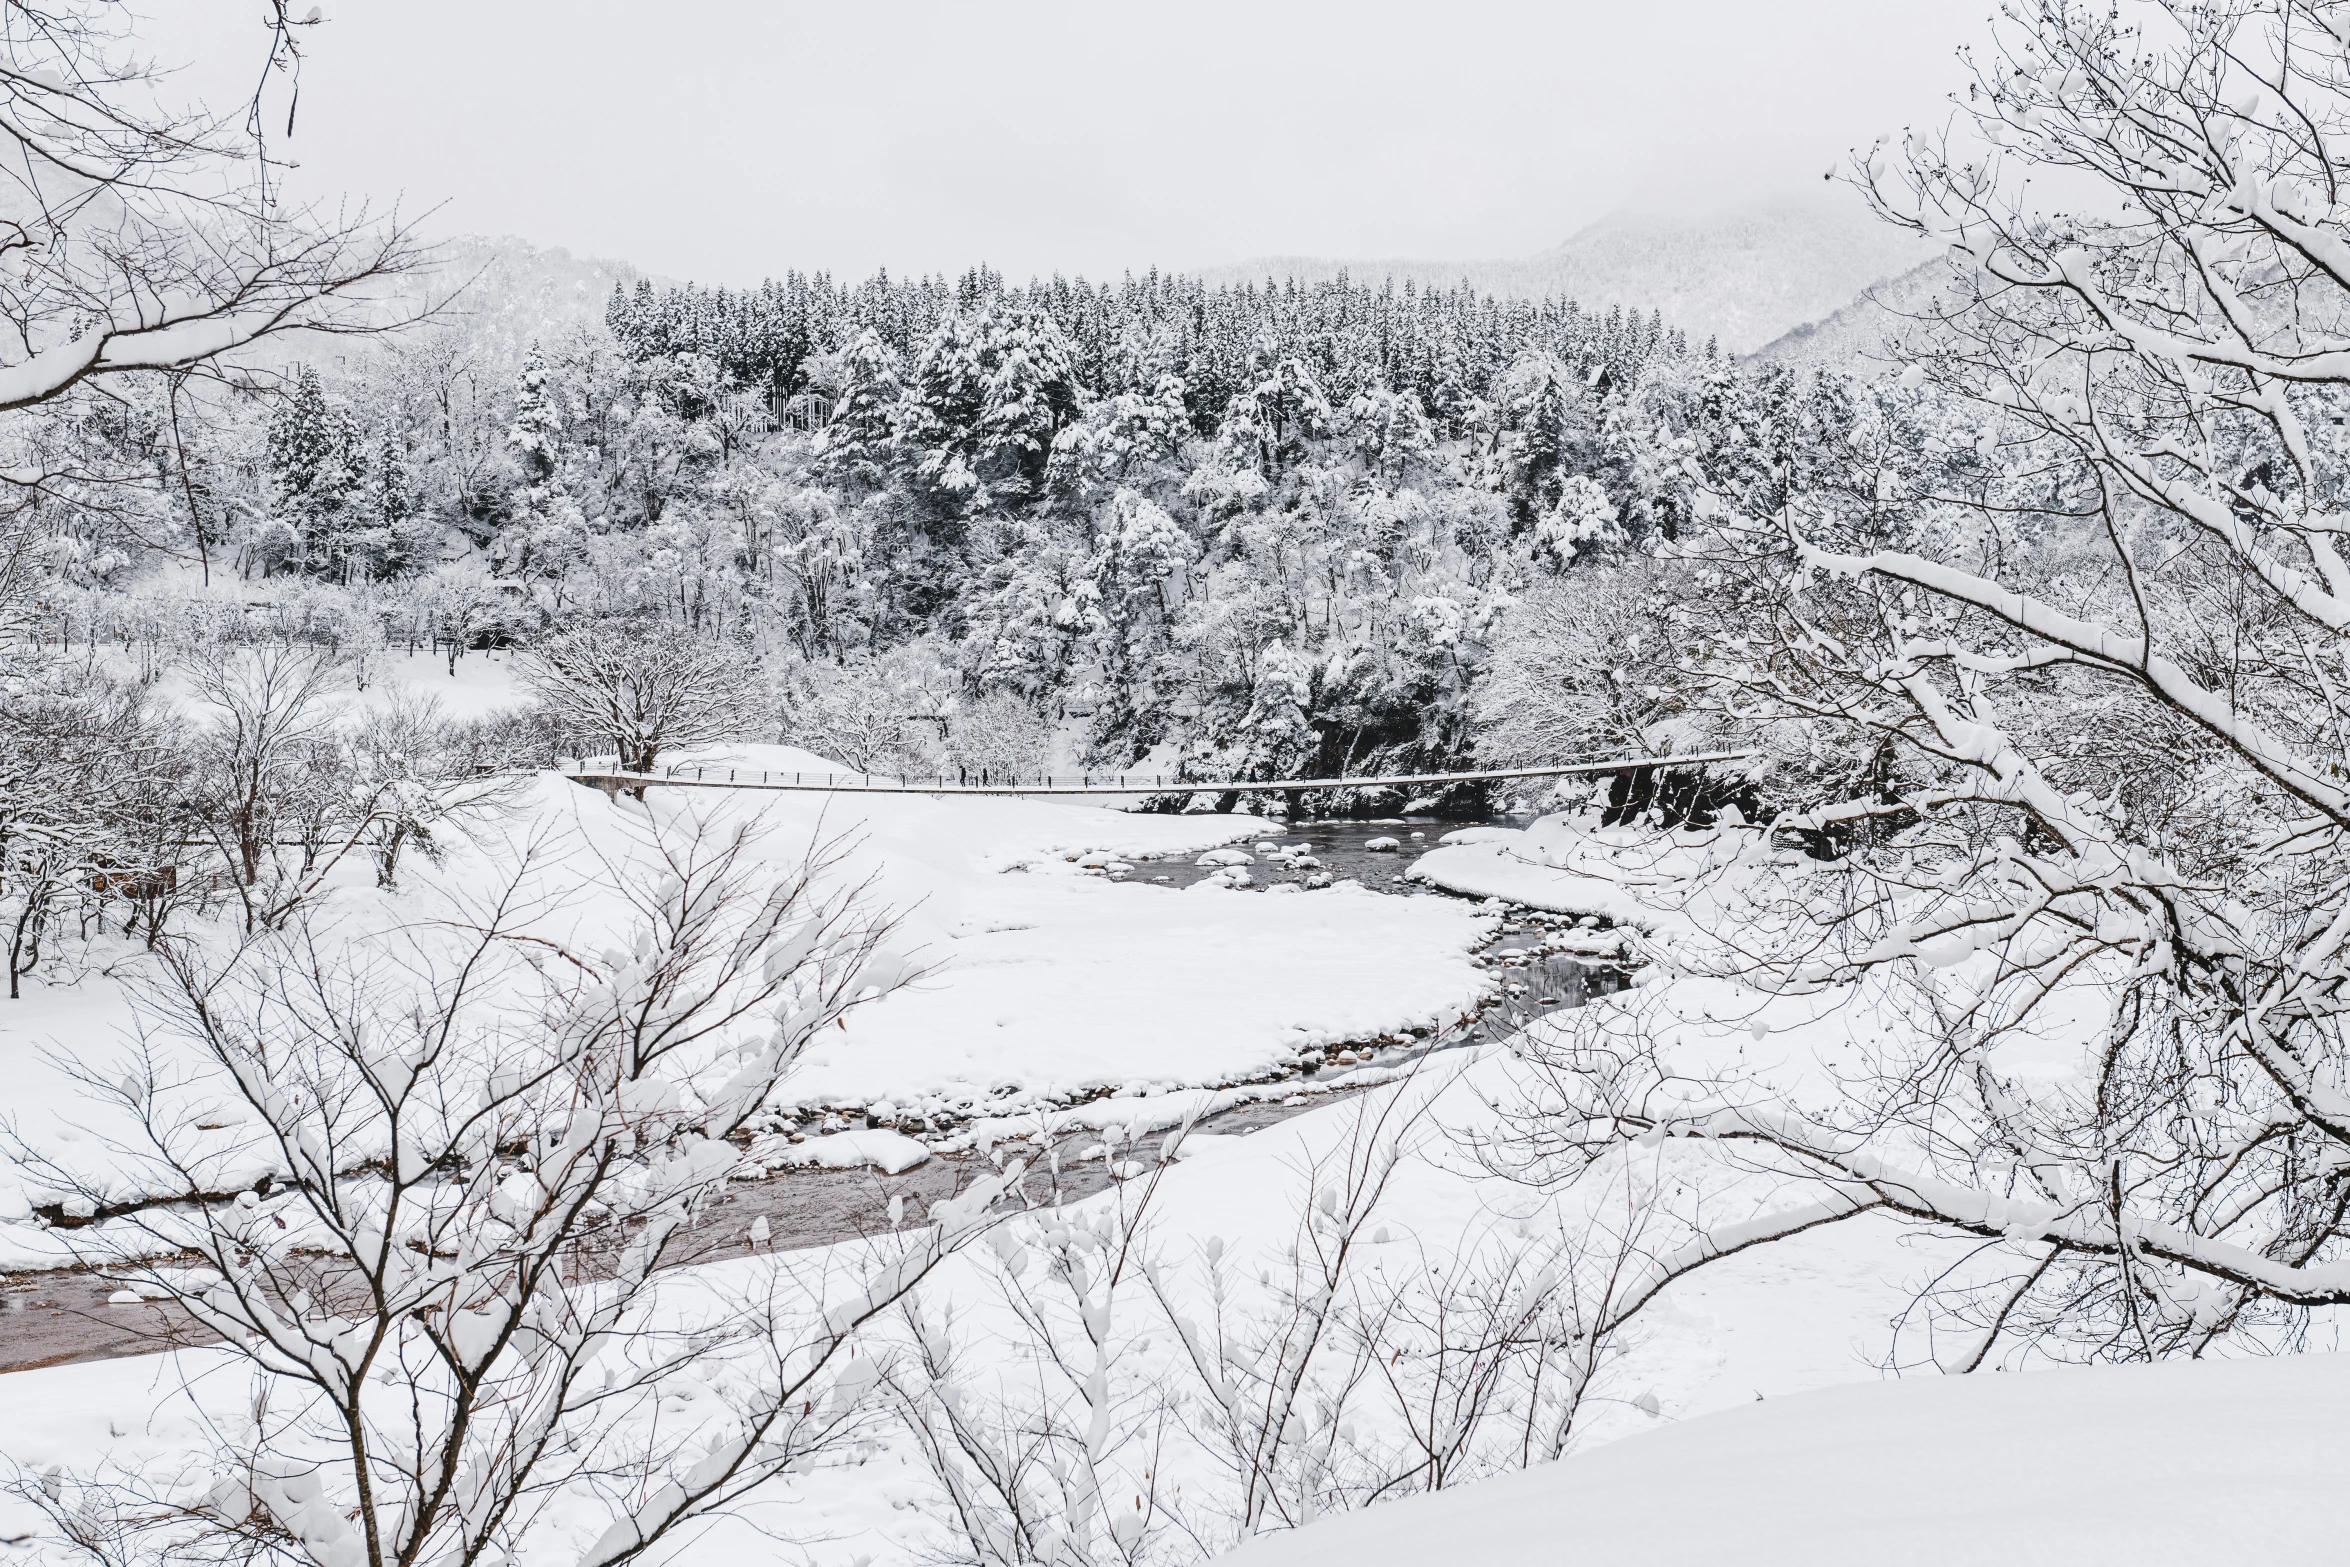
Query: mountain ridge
{"points": [[1744, 276]]}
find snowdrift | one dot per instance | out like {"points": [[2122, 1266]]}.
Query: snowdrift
{"points": [[2189, 1463]]}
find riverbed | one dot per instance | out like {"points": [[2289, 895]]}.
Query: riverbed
{"points": [[1543, 963], [1339, 848]]}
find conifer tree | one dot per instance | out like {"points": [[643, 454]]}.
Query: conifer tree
{"points": [[858, 447], [315, 472], [1032, 394], [944, 406], [532, 439]]}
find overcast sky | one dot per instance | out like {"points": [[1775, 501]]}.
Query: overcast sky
{"points": [[732, 139]]}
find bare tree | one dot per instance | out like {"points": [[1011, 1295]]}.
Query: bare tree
{"points": [[143, 239], [411, 779], [1350, 1363], [80, 774], [452, 1305], [878, 713], [264, 762], [644, 687], [2152, 601]]}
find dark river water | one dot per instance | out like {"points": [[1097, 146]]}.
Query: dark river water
{"points": [[55, 1318], [1340, 848]]}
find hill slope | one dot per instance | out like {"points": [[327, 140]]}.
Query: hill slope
{"points": [[1860, 338], [2173, 1465], [1745, 277]]}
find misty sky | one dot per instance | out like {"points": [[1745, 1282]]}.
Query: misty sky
{"points": [[735, 138]]}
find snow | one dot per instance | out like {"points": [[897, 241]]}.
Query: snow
{"points": [[1563, 864], [1044, 984], [2194, 1463], [1060, 983], [892, 1153], [483, 682], [2188, 1463], [1824, 1299], [1747, 1416]]}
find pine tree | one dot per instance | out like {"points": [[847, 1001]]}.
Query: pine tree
{"points": [[546, 532], [532, 440], [859, 445], [1032, 394], [943, 408], [401, 535], [315, 471]]}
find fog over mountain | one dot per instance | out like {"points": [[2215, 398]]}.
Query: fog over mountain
{"points": [[1744, 276], [1861, 338], [1787, 278]]}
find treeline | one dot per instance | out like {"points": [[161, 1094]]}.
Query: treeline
{"points": [[1264, 531], [1446, 346]]}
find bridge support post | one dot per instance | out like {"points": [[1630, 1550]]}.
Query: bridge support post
{"points": [[1297, 803]]}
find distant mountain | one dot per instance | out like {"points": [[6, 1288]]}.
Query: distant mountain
{"points": [[1861, 339], [503, 293], [1743, 277], [527, 290]]}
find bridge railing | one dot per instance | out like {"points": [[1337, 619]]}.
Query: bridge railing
{"points": [[695, 775]]}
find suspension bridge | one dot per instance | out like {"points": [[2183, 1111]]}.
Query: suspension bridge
{"points": [[1129, 785]]}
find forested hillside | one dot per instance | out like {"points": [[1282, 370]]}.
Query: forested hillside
{"points": [[478, 1160], [1740, 276], [1257, 531]]}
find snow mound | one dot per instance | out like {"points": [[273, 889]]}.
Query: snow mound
{"points": [[892, 1153], [2187, 1463]]}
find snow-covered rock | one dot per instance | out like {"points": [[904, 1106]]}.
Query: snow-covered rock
{"points": [[891, 1153]]}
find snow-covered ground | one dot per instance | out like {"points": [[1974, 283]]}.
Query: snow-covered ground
{"points": [[1710, 1438], [482, 683], [1768, 1323], [1046, 980], [1747, 1414], [1653, 882], [2191, 1464]]}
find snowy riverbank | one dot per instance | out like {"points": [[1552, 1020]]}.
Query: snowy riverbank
{"points": [[1046, 982], [1151, 990]]}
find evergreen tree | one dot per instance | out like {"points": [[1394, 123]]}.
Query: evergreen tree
{"points": [[943, 409], [1032, 394], [398, 534], [546, 532], [533, 439], [316, 471], [858, 446]]}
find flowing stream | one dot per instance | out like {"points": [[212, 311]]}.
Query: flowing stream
{"points": [[57, 1317]]}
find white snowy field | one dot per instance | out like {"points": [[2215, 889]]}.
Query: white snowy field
{"points": [[1747, 1418], [1045, 981], [1747, 1414], [1768, 1323], [2178, 1465], [481, 683], [1653, 883]]}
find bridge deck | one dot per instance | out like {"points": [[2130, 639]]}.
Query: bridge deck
{"points": [[1128, 784]]}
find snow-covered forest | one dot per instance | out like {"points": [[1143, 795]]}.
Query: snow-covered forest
{"points": [[1802, 1146], [1277, 531]]}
